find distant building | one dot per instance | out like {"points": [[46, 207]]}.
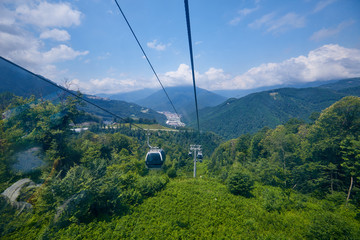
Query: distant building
{"points": [[173, 119]]}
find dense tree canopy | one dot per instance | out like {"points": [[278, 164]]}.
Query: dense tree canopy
{"points": [[296, 181]]}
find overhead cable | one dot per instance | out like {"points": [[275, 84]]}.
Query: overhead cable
{"points": [[70, 92], [147, 59], [191, 59]]}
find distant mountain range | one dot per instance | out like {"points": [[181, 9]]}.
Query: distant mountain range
{"points": [[122, 109], [182, 98], [130, 96], [20, 82], [271, 108], [238, 93], [228, 118]]}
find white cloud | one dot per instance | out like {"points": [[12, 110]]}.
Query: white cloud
{"points": [[105, 56], [211, 79], [264, 20], [111, 85], [288, 21], [22, 46], [7, 17], [328, 32], [325, 63], [278, 25], [13, 38], [30, 57], [328, 62], [157, 46], [216, 74], [241, 14], [182, 76], [56, 34], [49, 14], [322, 4], [61, 53]]}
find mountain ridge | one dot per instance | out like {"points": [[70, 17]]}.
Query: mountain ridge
{"points": [[129, 96], [183, 99], [271, 108]]}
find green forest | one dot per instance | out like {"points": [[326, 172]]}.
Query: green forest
{"points": [[300, 180]]}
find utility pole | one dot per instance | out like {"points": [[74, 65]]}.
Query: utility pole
{"points": [[197, 154]]}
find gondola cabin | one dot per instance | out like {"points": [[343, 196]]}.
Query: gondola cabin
{"points": [[155, 158]]}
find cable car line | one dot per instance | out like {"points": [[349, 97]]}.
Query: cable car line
{"points": [[70, 92], [196, 148], [147, 59], [155, 156], [191, 59]]}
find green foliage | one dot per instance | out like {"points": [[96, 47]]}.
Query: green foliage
{"points": [[240, 183], [204, 209], [171, 172], [149, 185], [350, 147], [255, 111], [97, 185], [331, 133], [5, 100], [328, 225], [319, 159]]}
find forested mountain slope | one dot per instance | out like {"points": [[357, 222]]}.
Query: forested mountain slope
{"points": [[122, 109], [271, 108], [317, 158]]}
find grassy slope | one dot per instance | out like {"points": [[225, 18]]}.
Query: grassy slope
{"points": [[203, 209]]}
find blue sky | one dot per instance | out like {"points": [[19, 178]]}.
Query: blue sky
{"points": [[237, 44]]}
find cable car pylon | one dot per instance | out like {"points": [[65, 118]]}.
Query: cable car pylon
{"points": [[197, 155]]}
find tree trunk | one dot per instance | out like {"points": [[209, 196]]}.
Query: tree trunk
{"points": [[351, 184]]}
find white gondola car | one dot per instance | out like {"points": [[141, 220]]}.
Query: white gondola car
{"points": [[200, 155], [155, 158]]}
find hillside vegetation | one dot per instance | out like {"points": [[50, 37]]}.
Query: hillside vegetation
{"points": [[296, 181], [204, 209], [270, 108]]}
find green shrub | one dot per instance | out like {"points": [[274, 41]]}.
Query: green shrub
{"points": [[149, 185], [240, 183], [171, 173], [327, 225]]}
